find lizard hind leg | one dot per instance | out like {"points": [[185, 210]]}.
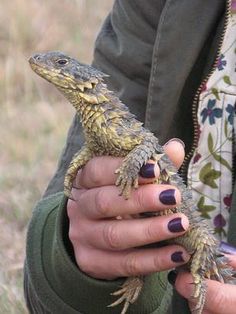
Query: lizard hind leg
{"points": [[78, 161], [128, 293]]}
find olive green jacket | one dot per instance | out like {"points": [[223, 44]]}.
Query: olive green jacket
{"points": [[156, 52]]}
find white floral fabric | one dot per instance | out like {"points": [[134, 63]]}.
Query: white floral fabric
{"points": [[210, 169]]}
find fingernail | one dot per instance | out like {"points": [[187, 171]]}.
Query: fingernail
{"points": [[175, 225], [227, 248], [167, 197], [175, 139], [147, 171], [171, 277], [177, 257]]}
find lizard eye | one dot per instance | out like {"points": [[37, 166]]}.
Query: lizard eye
{"points": [[62, 61]]}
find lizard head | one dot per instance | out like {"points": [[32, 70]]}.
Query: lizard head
{"points": [[65, 72]]}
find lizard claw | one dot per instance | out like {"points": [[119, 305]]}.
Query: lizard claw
{"points": [[128, 293], [126, 183]]}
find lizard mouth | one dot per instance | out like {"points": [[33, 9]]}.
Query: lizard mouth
{"points": [[59, 77], [46, 72]]}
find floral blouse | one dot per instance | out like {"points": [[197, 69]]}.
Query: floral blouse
{"points": [[210, 169]]}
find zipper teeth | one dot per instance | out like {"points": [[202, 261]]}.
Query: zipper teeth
{"points": [[198, 92]]}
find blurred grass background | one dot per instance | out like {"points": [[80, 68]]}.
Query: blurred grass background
{"points": [[34, 118]]}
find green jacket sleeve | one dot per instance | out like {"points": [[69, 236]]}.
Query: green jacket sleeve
{"points": [[53, 282]]}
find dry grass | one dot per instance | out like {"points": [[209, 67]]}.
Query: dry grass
{"points": [[33, 117]]}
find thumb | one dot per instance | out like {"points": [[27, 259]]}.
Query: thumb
{"points": [[220, 297]]}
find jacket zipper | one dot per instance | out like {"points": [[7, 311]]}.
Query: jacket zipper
{"points": [[184, 167]]}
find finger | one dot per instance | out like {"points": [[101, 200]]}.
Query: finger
{"points": [[109, 265], [99, 171], [105, 202], [175, 150], [125, 234], [220, 298]]}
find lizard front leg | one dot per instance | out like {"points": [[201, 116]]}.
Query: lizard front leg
{"points": [[78, 161], [131, 165]]}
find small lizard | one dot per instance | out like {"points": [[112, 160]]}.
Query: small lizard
{"points": [[110, 129]]}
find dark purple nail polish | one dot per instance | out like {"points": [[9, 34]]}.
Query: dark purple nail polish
{"points": [[177, 257], [172, 275], [167, 197], [147, 171], [227, 248], [175, 225]]}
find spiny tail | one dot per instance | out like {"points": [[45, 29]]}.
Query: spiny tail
{"points": [[199, 240]]}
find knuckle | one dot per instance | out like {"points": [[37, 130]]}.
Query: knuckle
{"points": [[150, 231], [131, 265], [158, 263], [101, 201], [81, 200], [73, 235], [139, 198], [111, 236], [92, 266], [145, 197], [84, 261], [77, 232], [72, 208]]}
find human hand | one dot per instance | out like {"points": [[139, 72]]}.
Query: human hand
{"points": [[106, 247], [220, 297]]}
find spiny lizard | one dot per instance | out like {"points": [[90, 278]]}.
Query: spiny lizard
{"points": [[110, 129]]}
